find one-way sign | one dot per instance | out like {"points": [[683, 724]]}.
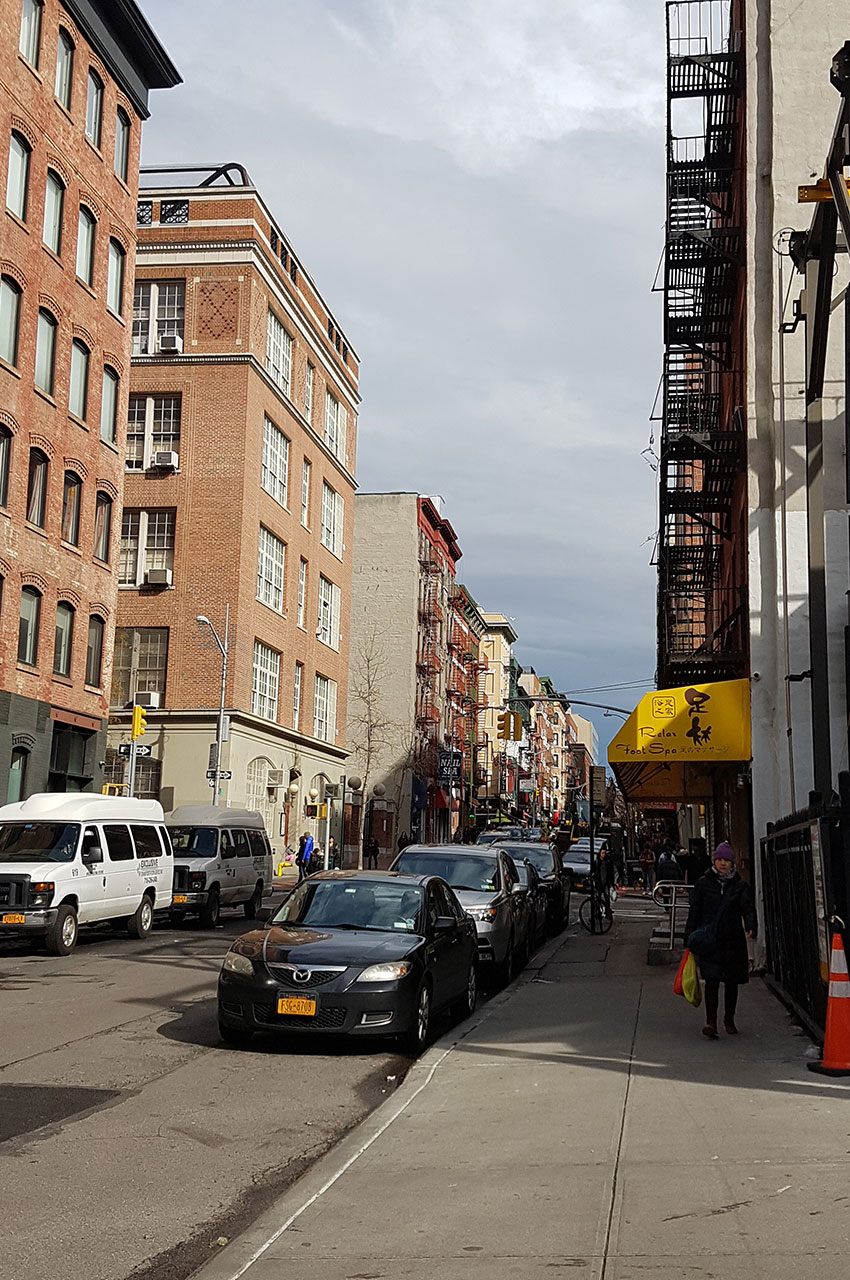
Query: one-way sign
{"points": [[224, 774], [126, 748]]}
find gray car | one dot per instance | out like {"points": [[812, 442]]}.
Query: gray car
{"points": [[489, 889]]}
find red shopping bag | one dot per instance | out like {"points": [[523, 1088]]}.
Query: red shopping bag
{"points": [[677, 985]]}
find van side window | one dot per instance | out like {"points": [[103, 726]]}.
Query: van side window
{"points": [[240, 840], [147, 843], [257, 843], [226, 844], [118, 843]]}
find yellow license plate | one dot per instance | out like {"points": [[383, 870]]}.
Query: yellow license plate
{"points": [[179, 897], [14, 918], [297, 1004]]}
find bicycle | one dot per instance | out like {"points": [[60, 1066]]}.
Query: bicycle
{"points": [[600, 919]]}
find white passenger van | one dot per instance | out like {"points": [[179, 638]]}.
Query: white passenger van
{"points": [[75, 858], [222, 858]]}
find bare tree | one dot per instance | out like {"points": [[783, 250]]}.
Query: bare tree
{"points": [[371, 731]]}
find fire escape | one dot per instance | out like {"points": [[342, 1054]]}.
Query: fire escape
{"points": [[702, 633], [428, 658]]}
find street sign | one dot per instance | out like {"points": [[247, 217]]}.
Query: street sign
{"points": [[450, 766], [125, 748], [224, 774], [526, 784], [597, 774]]}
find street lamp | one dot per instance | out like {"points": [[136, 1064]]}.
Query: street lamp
{"points": [[203, 620]]}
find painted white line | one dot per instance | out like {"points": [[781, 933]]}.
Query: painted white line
{"points": [[258, 1253]]}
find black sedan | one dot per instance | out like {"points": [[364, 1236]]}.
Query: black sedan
{"points": [[554, 880], [363, 953]]}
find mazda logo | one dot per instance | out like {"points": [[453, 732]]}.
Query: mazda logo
{"points": [[302, 975]]}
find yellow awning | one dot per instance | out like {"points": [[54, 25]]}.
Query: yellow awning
{"points": [[667, 746]]}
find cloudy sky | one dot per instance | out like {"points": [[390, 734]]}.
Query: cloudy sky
{"points": [[477, 188]]}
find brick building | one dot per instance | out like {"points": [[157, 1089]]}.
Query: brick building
{"points": [[239, 493], [73, 93]]}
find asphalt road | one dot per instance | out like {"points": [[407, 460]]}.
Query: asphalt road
{"points": [[131, 1141]]}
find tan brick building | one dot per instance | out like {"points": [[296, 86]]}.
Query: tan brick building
{"points": [[240, 482], [73, 92]]}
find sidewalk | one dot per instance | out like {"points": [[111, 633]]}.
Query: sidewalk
{"points": [[582, 1124]]}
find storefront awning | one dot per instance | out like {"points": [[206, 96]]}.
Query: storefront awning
{"points": [[671, 744]]}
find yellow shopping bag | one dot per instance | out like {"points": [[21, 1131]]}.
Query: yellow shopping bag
{"points": [[691, 986]]}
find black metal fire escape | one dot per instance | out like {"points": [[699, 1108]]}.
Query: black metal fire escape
{"points": [[702, 610]]}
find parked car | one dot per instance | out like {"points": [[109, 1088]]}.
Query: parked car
{"points": [[222, 858], [538, 902], [495, 835], [488, 887], [576, 863], [353, 952], [554, 879], [532, 833]]}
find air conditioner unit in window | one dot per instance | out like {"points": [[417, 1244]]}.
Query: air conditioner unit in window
{"points": [[171, 344], [276, 778], [167, 459], [147, 698], [158, 578]]}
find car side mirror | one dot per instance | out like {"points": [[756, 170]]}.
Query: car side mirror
{"points": [[91, 853], [445, 924], [518, 888]]}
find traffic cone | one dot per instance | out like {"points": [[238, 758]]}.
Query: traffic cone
{"points": [[836, 1045]]}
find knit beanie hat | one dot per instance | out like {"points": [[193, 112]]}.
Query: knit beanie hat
{"points": [[722, 851]]}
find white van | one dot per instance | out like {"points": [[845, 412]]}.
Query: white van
{"points": [[74, 858], [222, 858]]}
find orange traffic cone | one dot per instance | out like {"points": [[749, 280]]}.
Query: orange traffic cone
{"points": [[836, 1045]]}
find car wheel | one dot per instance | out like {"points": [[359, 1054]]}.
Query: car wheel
{"points": [[61, 937], [252, 906], [465, 1006], [236, 1036], [211, 910], [140, 923], [417, 1037]]}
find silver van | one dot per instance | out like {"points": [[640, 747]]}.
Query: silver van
{"points": [[222, 858]]}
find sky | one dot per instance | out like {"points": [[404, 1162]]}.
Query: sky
{"points": [[477, 188]]}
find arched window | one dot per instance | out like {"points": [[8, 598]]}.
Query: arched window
{"points": [[54, 200], [29, 43], [109, 405], [256, 789], [115, 278], [102, 527], [78, 396], [85, 245], [71, 501], [17, 179], [122, 143], [45, 351], [64, 641], [5, 460], [64, 68], [17, 775], [28, 626], [10, 319], [94, 651], [37, 488], [94, 108]]}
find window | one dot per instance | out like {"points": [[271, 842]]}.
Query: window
{"points": [[64, 69], [119, 843], [102, 527], [274, 475], [324, 709], [329, 598], [144, 213], [64, 639], [265, 681], [37, 488], [5, 459], [78, 396], [10, 319], [336, 419], [270, 570], [115, 278], [30, 40], [71, 499], [122, 143], [94, 108], [17, 775], [308, 393], [164, 302], [333, 509], [153, 426], [296, 694], [54, 198], [173, 212], [94, 651], [278, 353], [305, 493], [45, 351], [28, 626], [302, 591], [140, 663], [85, 246], [17, 179], [147, 542], [109, 405], [257, 797]]}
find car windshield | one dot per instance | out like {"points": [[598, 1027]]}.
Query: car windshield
{"points": [[577, 855], [465, 871], [200, 842], [382, 906], [537, 854], [39, 841], [493, 837]]}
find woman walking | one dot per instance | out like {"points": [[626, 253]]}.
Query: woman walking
{"points": [[721, 918]]}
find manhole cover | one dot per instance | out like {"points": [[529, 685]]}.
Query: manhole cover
{"points": [[27, 1107]]}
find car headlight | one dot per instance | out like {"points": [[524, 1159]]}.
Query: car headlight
{"points": [[236, 963], [392, 971], [483, 913], [41, 893], [197, 880]]}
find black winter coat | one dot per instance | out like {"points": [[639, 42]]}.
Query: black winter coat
{"points": [[730, 962]]}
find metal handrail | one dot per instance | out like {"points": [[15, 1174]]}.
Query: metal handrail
{"points": [[669, 893]]}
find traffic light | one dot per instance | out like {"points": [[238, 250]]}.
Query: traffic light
{"points": [[516, 726], [140, 721], [504, 725]]}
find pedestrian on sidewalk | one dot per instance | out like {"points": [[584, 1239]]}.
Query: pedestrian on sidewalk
{"points": [[647, 866], [302, 859], [370, 851], [334, 855], [722, 903], [668, 867]]}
